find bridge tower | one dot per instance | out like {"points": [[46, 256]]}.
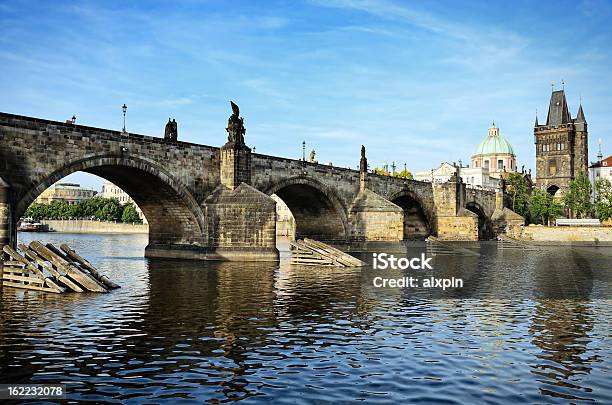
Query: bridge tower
{"points": [[561, 146]]}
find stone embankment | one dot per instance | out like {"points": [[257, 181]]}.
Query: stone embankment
{"points": [[89, 226], [568, 234]]}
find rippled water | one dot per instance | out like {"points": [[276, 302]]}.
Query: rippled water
{"points": [[528, 326]]}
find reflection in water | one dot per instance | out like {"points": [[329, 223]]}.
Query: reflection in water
{"points": [[528, 327]]}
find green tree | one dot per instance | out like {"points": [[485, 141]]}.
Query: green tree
{"points": [[578, 197], [112, 210], [603, 199], [543, 207], [518, 192], [404, 174], [130, 215], [381, 172]]}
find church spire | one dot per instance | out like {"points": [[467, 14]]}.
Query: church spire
{"points": [[536, 121], [580, 116]]}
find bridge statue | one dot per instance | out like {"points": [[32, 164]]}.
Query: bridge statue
{"points": [[171, 131], [235, 127]]}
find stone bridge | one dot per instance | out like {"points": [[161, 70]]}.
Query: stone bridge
{"points": [[214, 203]]}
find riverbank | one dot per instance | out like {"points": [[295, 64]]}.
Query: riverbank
{"points": [[567, 234], [89, 226]]}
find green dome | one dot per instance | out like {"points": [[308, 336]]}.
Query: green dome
{"points": [[494, 144]]}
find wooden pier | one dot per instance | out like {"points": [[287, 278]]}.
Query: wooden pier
{"points": [[310, 252], [49, 269]]}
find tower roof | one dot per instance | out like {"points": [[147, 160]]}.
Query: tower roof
{"points": [[558, 113], [580, 116]]}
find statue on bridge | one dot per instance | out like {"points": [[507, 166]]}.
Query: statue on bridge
{"points": [[312, 156], [363, 163], [235, 127], [171, 131]]}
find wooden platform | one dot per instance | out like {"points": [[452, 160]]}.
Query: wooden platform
{"points": [[310, 252], [45, 268]]}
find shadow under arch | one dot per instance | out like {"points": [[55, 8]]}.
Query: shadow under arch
{"points": [[173, 214], [417, 221], [318, 211], [485, 228]]}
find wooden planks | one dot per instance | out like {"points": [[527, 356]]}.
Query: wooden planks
{"points": [[310, 252], [46, 268]]}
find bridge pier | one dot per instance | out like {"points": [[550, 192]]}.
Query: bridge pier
{"points": [[454, 221], [241, 220]]}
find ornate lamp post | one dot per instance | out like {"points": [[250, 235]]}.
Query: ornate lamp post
{"points": [[304, 151], [124, 108]]}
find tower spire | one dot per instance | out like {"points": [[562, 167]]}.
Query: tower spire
{"points": [[580, 116], [536, 121]]}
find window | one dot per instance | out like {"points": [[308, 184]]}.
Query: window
{"points": [[511, 165], [486, 164], [500, 164]]}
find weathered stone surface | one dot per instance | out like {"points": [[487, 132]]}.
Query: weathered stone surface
{"points": [[177, 186], [373, 218], [241, 224]]}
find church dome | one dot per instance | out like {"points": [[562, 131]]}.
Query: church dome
{"points": [[494, 144]]}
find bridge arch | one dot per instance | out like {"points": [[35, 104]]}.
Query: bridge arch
{"points": [[417, 219], [485, 228], [173, 214], [319, 213]]}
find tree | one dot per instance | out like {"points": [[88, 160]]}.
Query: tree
{"points": [[543, 207], [603, 199], [130, 215], [404, 174], [112, 210], [380, 172], [516, 187], [578, 197]]}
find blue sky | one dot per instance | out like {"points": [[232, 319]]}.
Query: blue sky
{"points": [[416, 82]]}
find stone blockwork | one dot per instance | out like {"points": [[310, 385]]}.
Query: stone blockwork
{"points": [[454, 222], [373, 218], [241, 224], [177, 185]]}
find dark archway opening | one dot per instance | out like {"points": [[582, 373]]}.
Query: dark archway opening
{"points": [[169, 210], [416, 224], [485, 230], [316, 215], [552, 190]]}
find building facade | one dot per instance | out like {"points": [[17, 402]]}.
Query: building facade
{"points": [[285, 223], [495, 154], [72, 193], [561, 146], [472, 176], [602, 169], [110, 190]]}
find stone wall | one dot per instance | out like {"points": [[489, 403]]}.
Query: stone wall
{"points": [[88, 226], [567, 234], [373, 218]]}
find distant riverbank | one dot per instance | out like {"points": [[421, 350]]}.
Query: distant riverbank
{"points": [[89, 226]]}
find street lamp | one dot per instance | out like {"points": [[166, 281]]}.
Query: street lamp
{"points": [[124, 108], [304, 151]]}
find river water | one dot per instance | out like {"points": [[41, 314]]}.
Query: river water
{"points": [[528, 326]]}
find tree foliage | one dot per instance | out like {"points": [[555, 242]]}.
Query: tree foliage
{"points": [[404, 174], [130, 215], [103, 209], [578, 197], [543, 207], [603, 199], [516, 187]]}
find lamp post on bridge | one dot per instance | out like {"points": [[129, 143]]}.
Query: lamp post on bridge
{"points": [[124, 108], [304, 151]]}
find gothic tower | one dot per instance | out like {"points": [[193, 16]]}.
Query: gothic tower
{"points": [[561, 146]]}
